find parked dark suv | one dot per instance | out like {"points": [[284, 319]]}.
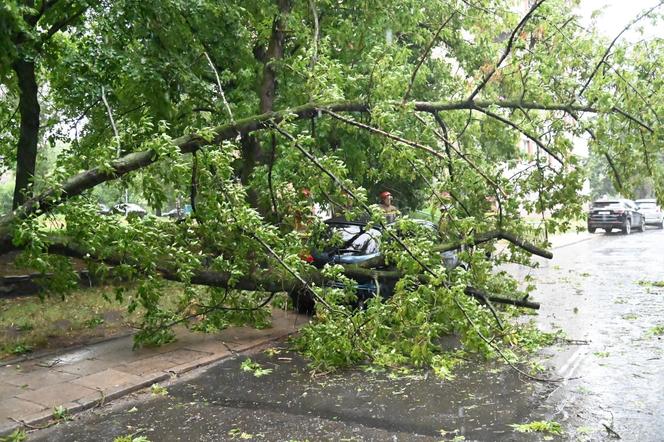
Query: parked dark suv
{"points": [[618, 214]]}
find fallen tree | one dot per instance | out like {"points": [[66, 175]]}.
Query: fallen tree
{"points": [[345, 128]]}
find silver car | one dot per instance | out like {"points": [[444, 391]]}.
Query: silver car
{"points": [[651, 212]]}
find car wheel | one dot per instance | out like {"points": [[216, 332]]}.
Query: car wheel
{"points": [[592, 229], [303, 301], [608, 229], [627, 227], [661, 224], [642, 227]]}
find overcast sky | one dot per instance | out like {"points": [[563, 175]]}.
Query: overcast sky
{"points": [[616, 14]]}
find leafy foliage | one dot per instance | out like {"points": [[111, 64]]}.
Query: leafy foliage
{"points": [[549, 427], [161, 107], [18, 435], [255, 368]]}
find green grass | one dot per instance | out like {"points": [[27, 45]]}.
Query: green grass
{"points": [[31, 323]]}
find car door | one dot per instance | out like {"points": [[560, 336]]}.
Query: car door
{"points": [[636, 215]]}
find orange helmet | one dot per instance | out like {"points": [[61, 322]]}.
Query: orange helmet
{"points": [[385, 194]]}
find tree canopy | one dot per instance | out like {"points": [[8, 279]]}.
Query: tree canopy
{"points": [[236, 106]]}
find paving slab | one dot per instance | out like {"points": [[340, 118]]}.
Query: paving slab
{"points": [[17, 408], [108, 379], [87, 366], [153, 364], [9, 390], [184, 355], [56, 394], [35, 379]]}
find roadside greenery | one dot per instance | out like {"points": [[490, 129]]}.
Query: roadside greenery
{"points": [[236, 108], [18, 435]]}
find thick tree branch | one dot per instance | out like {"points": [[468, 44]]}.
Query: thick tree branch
{"points": [[61, 24], [29, 110], [496, 234], [83, 181]]}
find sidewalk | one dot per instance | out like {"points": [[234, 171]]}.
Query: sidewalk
{"points": [[89, 376]]}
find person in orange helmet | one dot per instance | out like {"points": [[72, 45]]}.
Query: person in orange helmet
{"points": [[391, 211]]}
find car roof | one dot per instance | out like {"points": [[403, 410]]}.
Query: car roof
{"points": [[613, 200], [646, 200], [342, 221]]}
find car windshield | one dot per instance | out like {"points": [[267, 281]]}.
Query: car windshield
{"points": [[599, 204], [356, 238], [647, 205]]}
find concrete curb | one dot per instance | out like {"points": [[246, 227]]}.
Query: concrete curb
{"points": [[246, 343]]}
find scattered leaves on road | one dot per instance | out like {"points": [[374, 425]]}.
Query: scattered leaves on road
{"points": [[157, 389], [236, 433], [131, 438], [651, 283], [549, 427], [255, 368], [657, 330], [272, 351]]}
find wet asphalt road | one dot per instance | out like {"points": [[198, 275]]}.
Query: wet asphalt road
{"points": [[597, 291]]}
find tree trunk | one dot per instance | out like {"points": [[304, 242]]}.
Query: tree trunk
{"points": [[251, 147], [26, 155], [275, 51]]}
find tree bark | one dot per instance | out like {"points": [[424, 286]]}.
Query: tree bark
{"points": [[275, 51], [26, 154], [251, 147]]}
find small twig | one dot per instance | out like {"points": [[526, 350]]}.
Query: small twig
{"points": [[314, 55], [425, 54], [102, 399], [611, 431], [34, 427], [491, 344], [415, 144], [608, 49], [273, 198], [221, 89], [507, 51], [110, 117], [520, 129], [463, 156]]}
